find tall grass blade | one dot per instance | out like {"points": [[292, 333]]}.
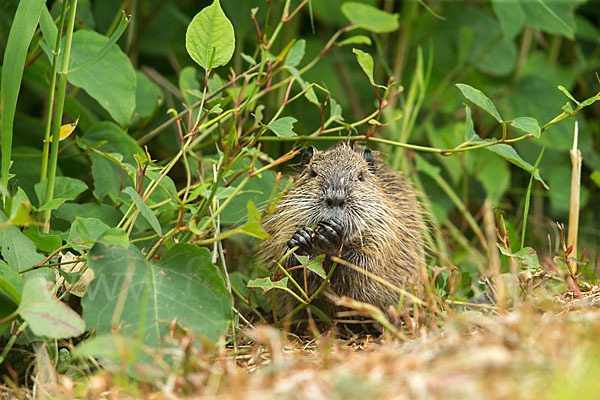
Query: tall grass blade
{"points": [[21, 33]]}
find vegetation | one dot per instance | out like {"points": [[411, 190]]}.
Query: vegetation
{"points": [[144, 142]]}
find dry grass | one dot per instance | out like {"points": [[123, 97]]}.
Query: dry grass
{"points": [[532, 352]]}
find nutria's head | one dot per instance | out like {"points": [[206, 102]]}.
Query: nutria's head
{"points": [[339, 183]]}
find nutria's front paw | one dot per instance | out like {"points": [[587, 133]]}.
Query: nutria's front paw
{"points": [[327, 239], [303, 238]]}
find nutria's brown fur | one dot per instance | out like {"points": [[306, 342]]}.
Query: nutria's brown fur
{"points": [[379, 216]]}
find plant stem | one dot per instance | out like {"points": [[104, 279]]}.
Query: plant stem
{"points": [[51, 94], [576, 160], [58, 111], [12, 341]]}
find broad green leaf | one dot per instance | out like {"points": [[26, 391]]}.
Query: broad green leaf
{"points": [[187, 82], [366, 64], [11, 282], [511, 16], [44, 242], [112, 349], [103, 212], [315, 265], [265, 284], [65, 188], [17, 249], [106, 47], [479, 99], [148, 96], [296, 53], [551, 16], [144, 209], [137, 298], [19, 209], [252, 226], [258, 190], [85, 232], [210, 39], [528, 125], [370, 18], [335, 110], [111, 81], [114, 139], [46, 315], [23, 27], [528, 258], [493, 174], [282, 127], [114, 237], [357, 39]]}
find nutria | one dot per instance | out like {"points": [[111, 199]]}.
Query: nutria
{"points": [[356, 202]]}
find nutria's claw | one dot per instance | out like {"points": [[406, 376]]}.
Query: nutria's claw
{"points": [[303, 238], [329, 238]]}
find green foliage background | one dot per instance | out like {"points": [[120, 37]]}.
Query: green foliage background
{"points": [[516, 52]]}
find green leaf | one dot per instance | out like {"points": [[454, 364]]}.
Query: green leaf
{"points": [[282, 127], [144, 209], [17, 249], [11, 282], [511, 16], [209, 38], [114, 237], [106, 47], [46, 315], [315, 265], [148, 96], [44, 242], [595, 176], [551, 16], [21, 32], [528, 125], [111, 349], [111, 81], [590, 101], [470, 134], [253, 226], [357, 39], [479, 99], [366, 64], [115, 140], [187, 82], [569, 95], [370, 18], [494, 175], [65, 189], [295, 54], [510, 154], [138, 298], [265, 284], [85, 232]]}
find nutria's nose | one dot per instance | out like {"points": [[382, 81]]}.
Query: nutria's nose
{"points": [[335, 199]]}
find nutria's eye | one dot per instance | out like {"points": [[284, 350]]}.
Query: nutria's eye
{"points": [[312, 173], [360, 176]]}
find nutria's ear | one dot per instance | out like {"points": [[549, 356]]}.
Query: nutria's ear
{"points": [[368, 156], [307, 156]]}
